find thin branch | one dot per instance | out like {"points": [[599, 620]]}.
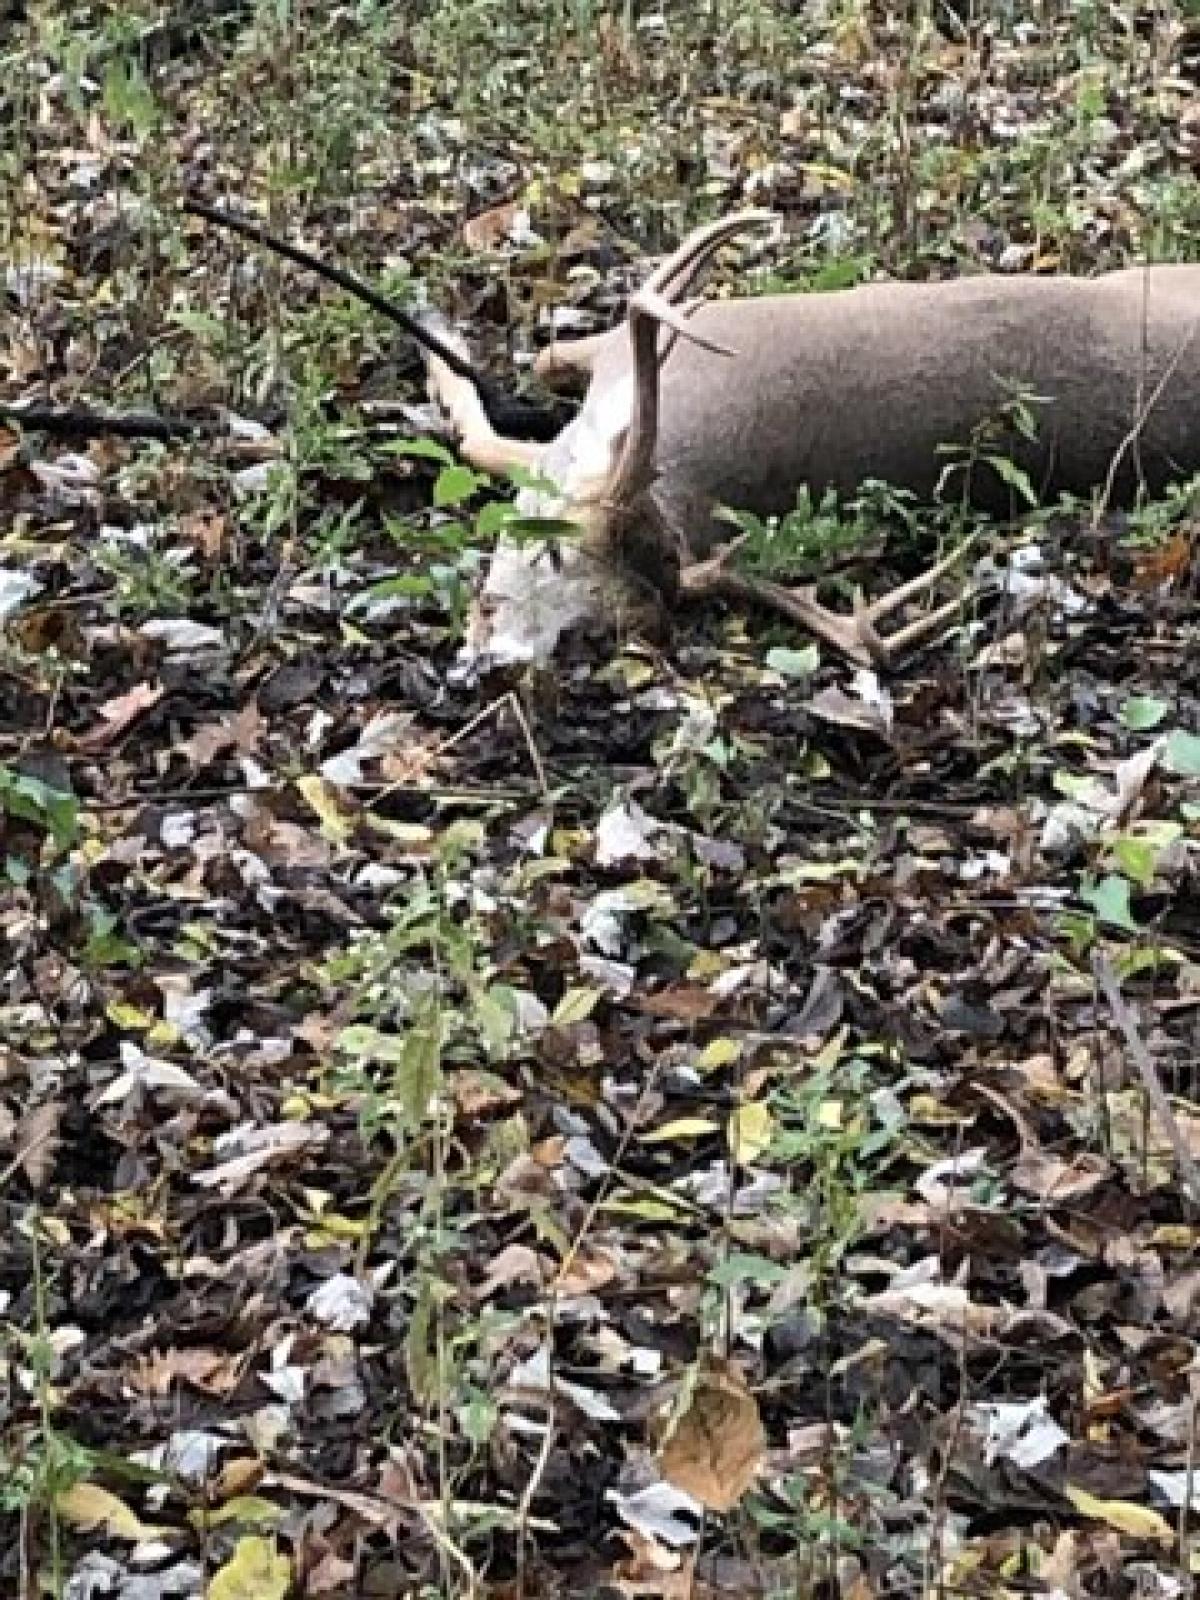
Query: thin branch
{"points": [[1126, 1021]]}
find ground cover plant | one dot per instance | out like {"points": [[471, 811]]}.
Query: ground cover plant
{"points": [[700, 1121]]}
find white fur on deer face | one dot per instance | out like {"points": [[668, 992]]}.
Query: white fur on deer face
{"points": [[536, 592]]}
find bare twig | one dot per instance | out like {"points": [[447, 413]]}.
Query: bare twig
{"points": [[1127, 1023]]}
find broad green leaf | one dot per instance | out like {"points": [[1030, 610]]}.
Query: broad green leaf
{"points": [[794, 663], [419, 1070], [252, 1509], [1143, 711], [1182, 754], [1109, 899], [34, 801], [423, 449], [1137, 858], [744, 1268], [455, 484], [493, 518], [541, 530]]}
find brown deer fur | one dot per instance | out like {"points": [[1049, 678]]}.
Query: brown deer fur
{"points": [[826, 391]]}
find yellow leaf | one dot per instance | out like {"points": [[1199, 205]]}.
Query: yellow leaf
{"points": [[322, 797], [576, 1005], [751, 1129], [131, 1019], [256, 1571], [1139, 1522], [830, 1114], [681, 1128], [88, 1506], [718, 1053]]}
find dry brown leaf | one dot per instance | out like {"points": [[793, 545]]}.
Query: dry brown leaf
{"points": [[682, 1002], [240, 732], [209, 1370], [119, 715], [490, 228], [45, 628], [238, 1476], [1051, 1178], [209, 531], [715, 1445], [1167, 562], [36, 1141]]}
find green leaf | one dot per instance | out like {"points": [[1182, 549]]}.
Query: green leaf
{"points": [[794, 663], [423, 449], [1143, 711], [494, 1012], [1109, 899], [1137, 858], [744, 1268], [455, 484], [494, 518], [1014, 477], [54, 810], [1182, 754], [541, 530], [251, 1510], [419, 1070]]}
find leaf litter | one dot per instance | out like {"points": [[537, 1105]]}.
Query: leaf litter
{"points": [[703, 1159]]}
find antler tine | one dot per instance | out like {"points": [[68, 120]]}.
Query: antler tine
{"points": [[673, 277], [634, 470]]}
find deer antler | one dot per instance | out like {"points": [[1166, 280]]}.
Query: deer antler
{"points": [[634, 470], [673, 277], [855, 636]]}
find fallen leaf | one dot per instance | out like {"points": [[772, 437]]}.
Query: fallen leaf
{"points": [[256, 1571], [89, 1507], [716, 1443], [118, 715], [751, 1129], [36, 1141], [1139, 1522], [488, 229]]}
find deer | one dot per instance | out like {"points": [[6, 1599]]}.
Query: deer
{"points": [[694, 405]]}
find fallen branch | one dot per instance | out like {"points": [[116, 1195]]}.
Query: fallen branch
{"points": [[505, 410], [72, 423]]}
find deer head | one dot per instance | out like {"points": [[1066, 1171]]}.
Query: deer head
{"points": [[599, 474]]}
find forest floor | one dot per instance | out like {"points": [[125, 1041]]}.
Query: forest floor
{"points": [[706, 1122]]}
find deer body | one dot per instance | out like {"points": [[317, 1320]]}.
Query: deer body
{"points": [[825, 391]]}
